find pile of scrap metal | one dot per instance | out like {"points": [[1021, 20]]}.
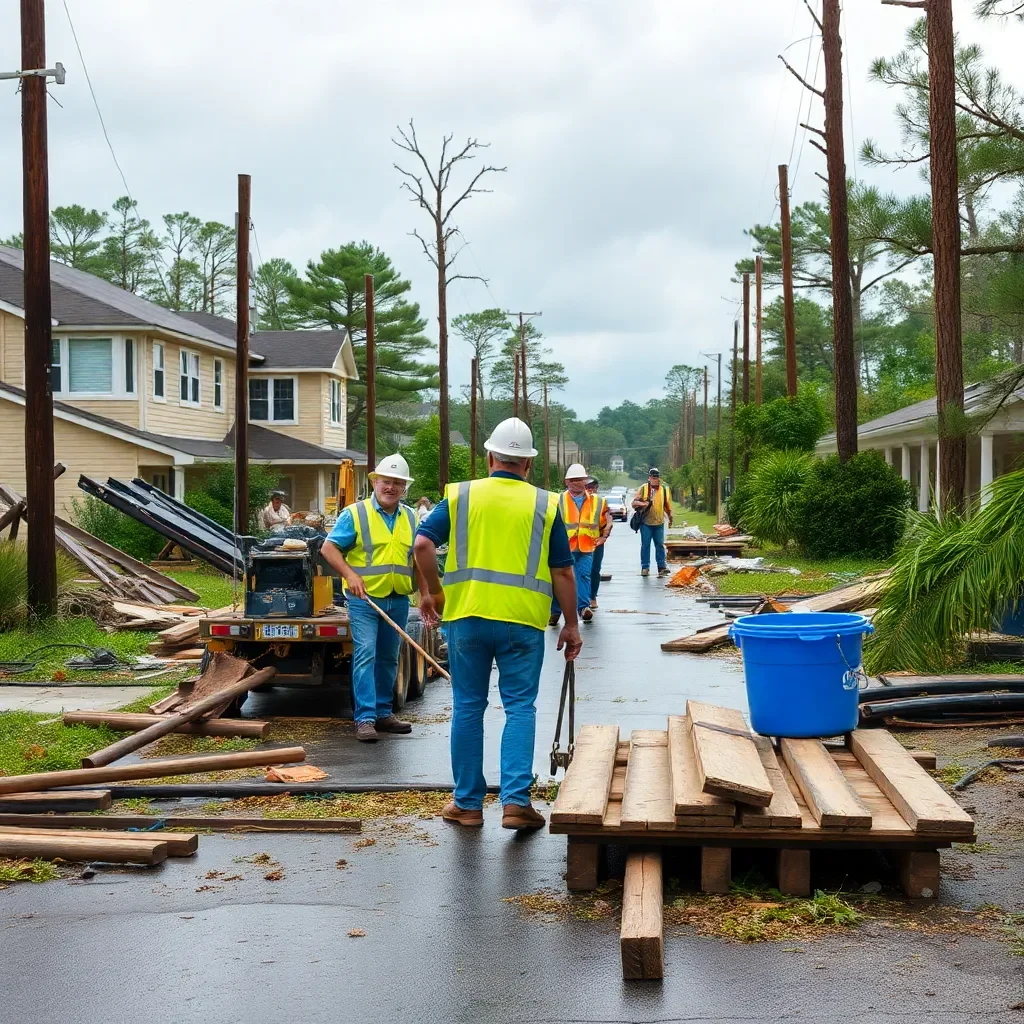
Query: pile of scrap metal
{"points": [[189, 529], [944, 701], [121, 577]]}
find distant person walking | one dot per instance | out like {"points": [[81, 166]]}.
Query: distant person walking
{"points": [[580, 514], [654, 501], [604, 521]]}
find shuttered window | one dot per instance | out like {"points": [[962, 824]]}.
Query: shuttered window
{"points": [[90, 366]]}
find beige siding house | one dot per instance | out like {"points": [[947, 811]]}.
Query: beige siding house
{"points": [[143, 391]]}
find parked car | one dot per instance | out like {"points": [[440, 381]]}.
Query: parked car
{"points": [[617, 507]]}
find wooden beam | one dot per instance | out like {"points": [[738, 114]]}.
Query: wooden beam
{"points": [[583, 794], [205, 822], [783, 811], [179, 844], [641, 935], [794, 870], [123, 721], [687, 796], [715, 869], [647, 796], [42, 803], [727, 760], [919, 874], [113, 851], [581, 862], [830, 798]]}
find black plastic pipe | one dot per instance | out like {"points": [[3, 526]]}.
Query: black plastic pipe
{"points": [[951, 704], [938, 687]]}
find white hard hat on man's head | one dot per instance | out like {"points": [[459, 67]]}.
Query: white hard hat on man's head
{"points": [[511, 437], [393, 466], [576, 472]]}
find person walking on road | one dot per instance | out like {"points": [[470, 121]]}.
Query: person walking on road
{"points": [[508, 554], [605, 523], [371, 548], [581, 514], [654, 501]]}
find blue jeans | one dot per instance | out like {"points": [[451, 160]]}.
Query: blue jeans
{"points": [[648, 534], [595, 572], [474, 644], [582, 568], [375, 655]]}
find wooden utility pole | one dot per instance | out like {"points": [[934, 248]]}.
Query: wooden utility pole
{"points": [[758, 278], [242, 354], [732, 420], [693, 425], [371, 383], [526, 393], [789, 315], [844, 356], [515, 384], [746, 339], [42, 541], [705, 408], [473, 370], [949, 370], [718, 444], [547, 443]]}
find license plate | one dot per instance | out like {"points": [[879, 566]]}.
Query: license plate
{"points": [[279, 632]]}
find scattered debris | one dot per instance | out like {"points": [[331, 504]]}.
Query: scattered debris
{"points": [[356, 933]]}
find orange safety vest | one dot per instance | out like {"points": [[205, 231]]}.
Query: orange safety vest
{"points": [[582, 524]]}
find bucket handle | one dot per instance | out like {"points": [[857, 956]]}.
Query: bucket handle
{"points": [[853, 678]]}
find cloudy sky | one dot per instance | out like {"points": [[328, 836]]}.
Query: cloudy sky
{"points": [[640, 138]]}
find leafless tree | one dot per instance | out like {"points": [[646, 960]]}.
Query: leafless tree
{"points": [[430, 189]]}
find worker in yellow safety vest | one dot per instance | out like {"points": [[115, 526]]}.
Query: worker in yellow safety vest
{"points": [[371, 548], [508, 553], [581, 512]]}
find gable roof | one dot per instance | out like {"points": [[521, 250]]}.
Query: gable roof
{"points": [[79, 299]]}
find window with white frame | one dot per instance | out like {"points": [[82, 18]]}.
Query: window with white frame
{"points": [[158, 371], [90, 366], [188, 378], [272, 399], [129, 366], [218, 384], [335, 403]]}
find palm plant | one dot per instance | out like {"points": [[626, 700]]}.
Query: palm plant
{"points": [[14, 580], [951, 578], [776, 478]]}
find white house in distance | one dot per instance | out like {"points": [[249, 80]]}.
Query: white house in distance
{"points": [[617, 464], [908, 439]]}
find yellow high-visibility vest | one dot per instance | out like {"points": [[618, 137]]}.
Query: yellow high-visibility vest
{"points": [[382, 557], [582, 524], [497, 565]]}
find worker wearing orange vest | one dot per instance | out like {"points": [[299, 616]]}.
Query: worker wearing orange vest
{"points": [[581, 513]]}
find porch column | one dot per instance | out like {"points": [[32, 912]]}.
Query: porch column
{"points": [[922, 491], [888, 455], [987, 467], [905, 462], [179, 483], [321, 491]]}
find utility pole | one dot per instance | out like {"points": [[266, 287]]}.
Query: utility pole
{"points": [[242, 354], [693, 426], [789, 316], [526, 393], [42, 541], [515, 385], [371, 373], [732, 421], [472, 418], [758, 276], [746, 339], [519, 364], [547, 443], [718, 444]]}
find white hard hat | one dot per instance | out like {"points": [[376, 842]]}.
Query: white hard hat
{"points": [[575, 471], [393, 466], [511, 437]]}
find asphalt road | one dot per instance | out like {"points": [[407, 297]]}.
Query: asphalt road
{"points": [[174, 945]]}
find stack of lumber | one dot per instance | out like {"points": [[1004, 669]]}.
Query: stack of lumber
{"points": [[182, 637], [152, 618], [849, 598], [707, 781], [82, 844]]}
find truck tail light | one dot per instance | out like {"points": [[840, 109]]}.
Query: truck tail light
{"points": [[327, 630], [224, 629]]}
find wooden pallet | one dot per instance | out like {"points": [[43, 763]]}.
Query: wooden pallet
{"points": [[683, 548]]}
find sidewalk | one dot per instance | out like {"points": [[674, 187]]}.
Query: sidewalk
{"points": [[54, 699]]}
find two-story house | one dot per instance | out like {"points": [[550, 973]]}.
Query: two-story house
{"points": [[140, 390]]}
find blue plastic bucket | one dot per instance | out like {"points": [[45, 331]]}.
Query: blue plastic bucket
{"points": [[802, 671]]}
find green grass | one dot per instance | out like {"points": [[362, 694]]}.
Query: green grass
{"points": [[27, 745], [214, 588], [36, 870], [684, 516], [816, 575]]}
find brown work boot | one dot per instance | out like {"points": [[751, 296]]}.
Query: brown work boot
{"points": [[587, 614], [462, 815], [663, 571], [522, 819], [645, 572], [593, 603], [366, 733], [393, 724]]}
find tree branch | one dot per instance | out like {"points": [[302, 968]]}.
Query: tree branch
{"points": [[796, 74], [810, 128], [905, 3], [817, 21], [471, 189], [426, 248], [817, 145], [411, 145]]}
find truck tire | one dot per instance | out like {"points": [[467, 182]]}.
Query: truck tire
{"points": [[417, 663], [402, 678]]}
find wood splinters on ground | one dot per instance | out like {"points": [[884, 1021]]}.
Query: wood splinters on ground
{"points": [[356, 933]]}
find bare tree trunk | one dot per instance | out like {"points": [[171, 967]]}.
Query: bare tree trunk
{"points": [[444, 453], [787, 282], [842, 300], [949, 371]]}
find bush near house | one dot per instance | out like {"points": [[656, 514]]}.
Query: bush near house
{"points": [[785, 424], [776, 481], [423, 454], [214, 494], [117, 529]]}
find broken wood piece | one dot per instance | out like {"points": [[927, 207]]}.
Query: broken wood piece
{"points": [[727, 761], [205, 822], [924, 804], [647, 795], [830, 798], [165, 704], [150, 769], [78, 848], [42, 803], [783, 811], [583, 794], [123, 721], [688, 797], [179, 844], [641, 933]]}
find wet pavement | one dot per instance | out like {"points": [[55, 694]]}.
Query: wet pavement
{"points": [[171, 944]]}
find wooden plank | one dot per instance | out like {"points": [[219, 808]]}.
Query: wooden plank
{"points": [[647, 797], [919, 874], [687, 796], [925, 758], [618, 783], [622, 753], [925, 805], [715, 869], [583, 795], [210, 823], [886, 821], [829, 796], [728, 764], [783, 811], [124, 721], [112, 851], [179, 844], [641, 934], [42, 803], [581, 861], [794, 871], [150, 769], [685, 821]]}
